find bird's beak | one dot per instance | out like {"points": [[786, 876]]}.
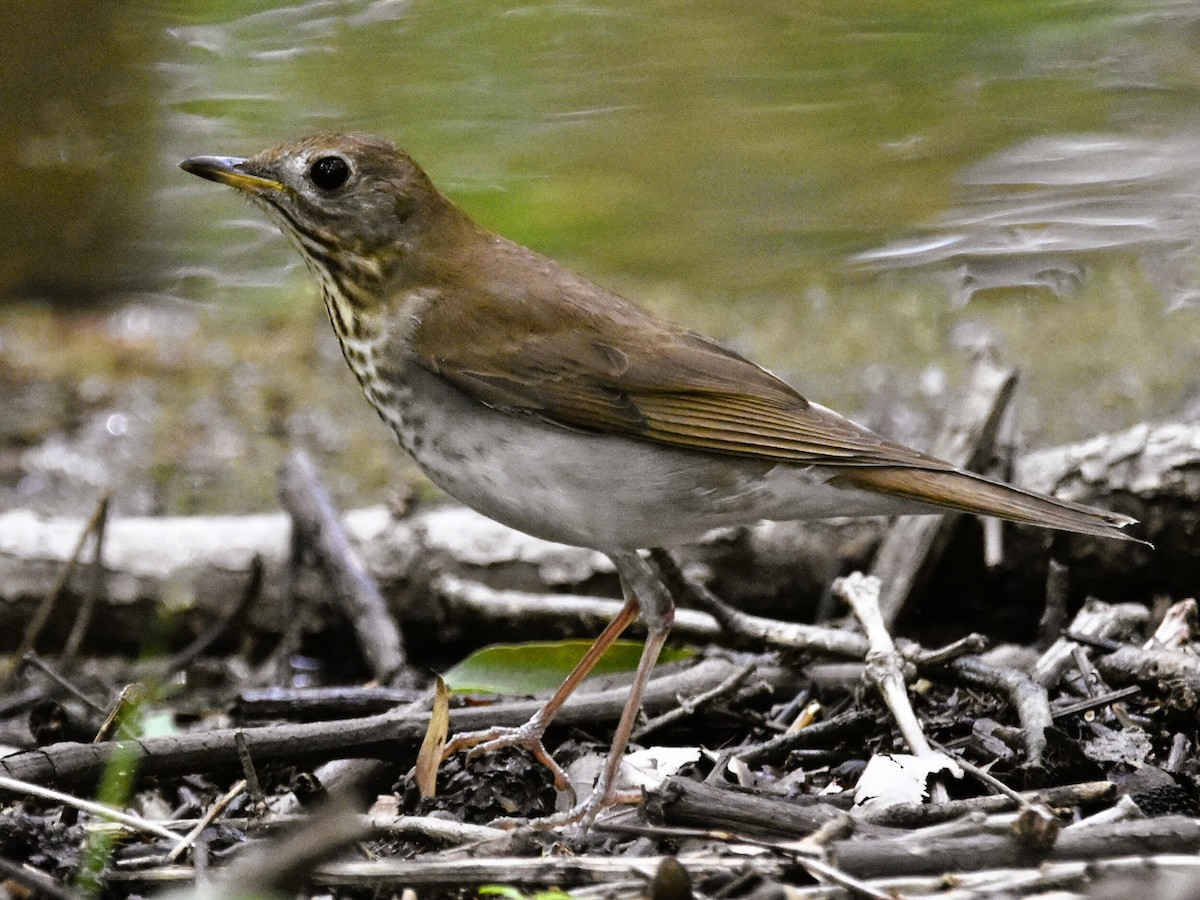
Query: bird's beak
{"points": [[231, 171]]}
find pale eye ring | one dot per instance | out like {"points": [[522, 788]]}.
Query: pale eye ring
{"points": [[329, 172]]}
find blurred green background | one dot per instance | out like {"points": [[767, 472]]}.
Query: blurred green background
{"points": [[854, 194]]}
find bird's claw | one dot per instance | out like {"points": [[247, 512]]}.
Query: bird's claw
{"points": [[528, 737]]}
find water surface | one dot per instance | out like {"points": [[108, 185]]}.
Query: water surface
{"points": [[854, 194]]}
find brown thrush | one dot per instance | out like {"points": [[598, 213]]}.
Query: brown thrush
{"points": [[552, 405]]}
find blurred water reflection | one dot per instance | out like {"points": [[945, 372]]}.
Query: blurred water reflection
{"points": [[849, 192], [1031, 214]]}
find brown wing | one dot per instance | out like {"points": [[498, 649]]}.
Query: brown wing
{"points": [[585, 359]]}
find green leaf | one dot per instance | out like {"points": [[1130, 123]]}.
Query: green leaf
{"points": [[542, 666], [511, 893], [501, 890]]}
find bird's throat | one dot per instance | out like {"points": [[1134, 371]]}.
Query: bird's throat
{"points": [[361, 342]]}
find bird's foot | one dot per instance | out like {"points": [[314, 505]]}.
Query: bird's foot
{"points": [[528, 737]]}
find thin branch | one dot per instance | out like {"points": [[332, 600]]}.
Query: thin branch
{"points": [[38, 622], [96, 809], [95, 589]]}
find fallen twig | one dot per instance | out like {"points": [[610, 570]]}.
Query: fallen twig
{"points": [[885, 665], [35, 625], [1096, 619], [95, 588], [71, 763], [137, 823], [317, 522]]}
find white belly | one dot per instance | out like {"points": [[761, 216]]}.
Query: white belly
{"points": [[604, 492]]}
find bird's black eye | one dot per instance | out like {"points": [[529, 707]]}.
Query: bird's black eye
{"points": [[329, 172]]}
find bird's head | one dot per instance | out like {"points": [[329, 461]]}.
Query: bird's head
{"points": [[359, 209]]}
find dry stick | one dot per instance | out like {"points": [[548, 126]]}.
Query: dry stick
{"points": [[1105, 699], [819, 734], [380, 735], [1125, 808], [95, 590], [314, 517], [915, 543], [681, 802], [1054, 613], [201, 865], [973, 822], [250, 774], [1005, 446], [62, 681], [1176, 628], [439, 829], [1153, 667], [689, 705], [1030, 702], [1027, 696], [468, 600], [443, 830], [796, 713], [887, 857], [885, 665], [1093, 685], [988, 779], [1097, 620], [808, 845], [921, 815], [386, 874], [34, 629], [1104, 645], [337, 702], [756, 629], [823, 871], [1180, 750], [212, 634], [207, 819], [96, 809], [1029, 881], [1151, 874], [993, 540], [961, 647], [291, 624], [807, 853], [634, 872]]}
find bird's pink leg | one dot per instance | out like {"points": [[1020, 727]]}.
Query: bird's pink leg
{"points": [[529, 735], [645, 593]]}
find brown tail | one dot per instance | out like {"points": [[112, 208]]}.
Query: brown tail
{"points": [[968, 492]]}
